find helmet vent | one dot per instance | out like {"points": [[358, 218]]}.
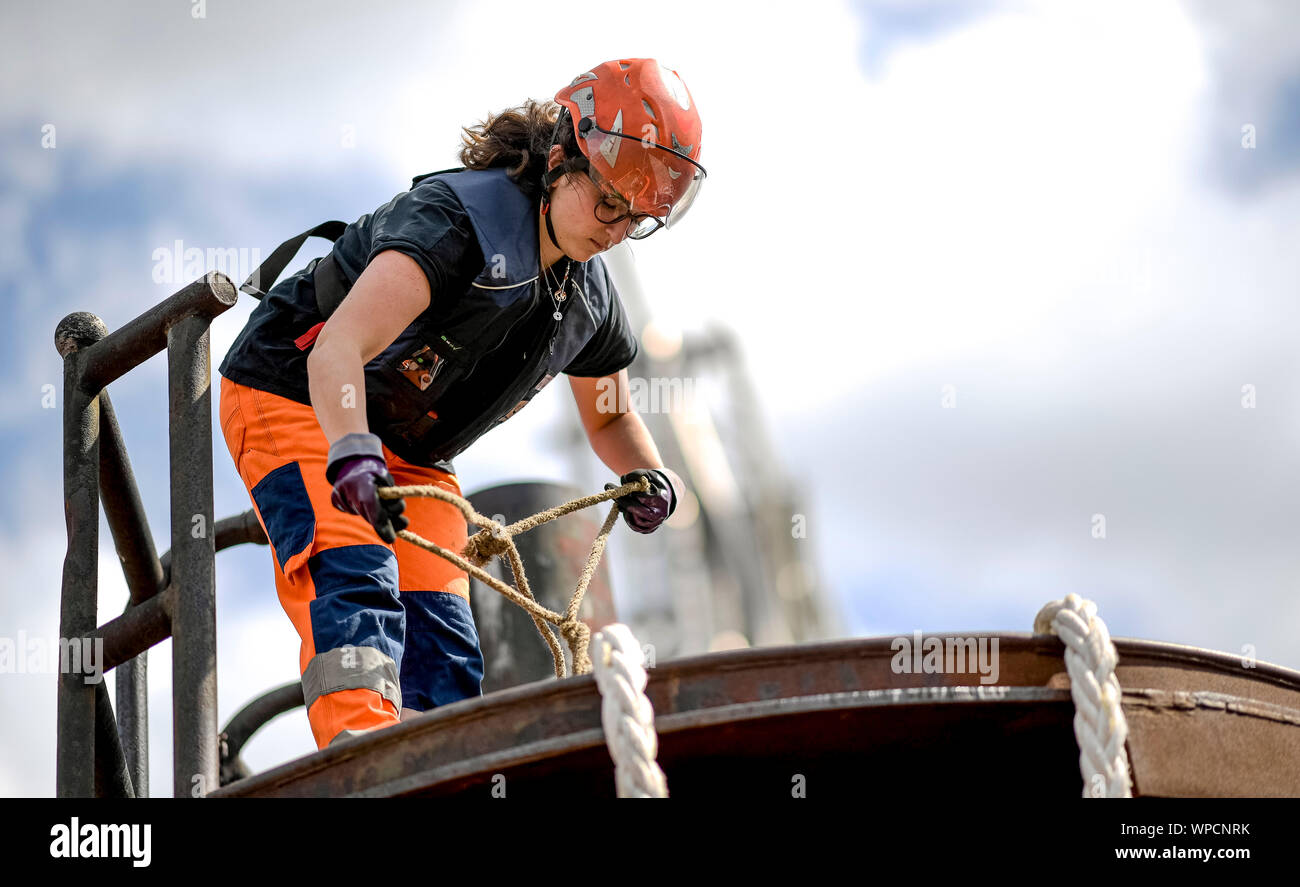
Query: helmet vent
{"points": [[648, 109]]}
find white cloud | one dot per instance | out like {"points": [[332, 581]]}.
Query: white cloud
{"points": [[1016, 207]]}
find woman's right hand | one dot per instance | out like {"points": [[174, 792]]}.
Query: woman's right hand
{"points": [[356, 492], [355, 467]]}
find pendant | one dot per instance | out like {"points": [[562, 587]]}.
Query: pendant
{"points": [[558, 316]]}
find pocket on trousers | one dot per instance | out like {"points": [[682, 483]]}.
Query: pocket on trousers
{"points": [[232, 425], [280, 494]]}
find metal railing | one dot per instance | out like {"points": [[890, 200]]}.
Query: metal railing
{"points": [[100, 755]]}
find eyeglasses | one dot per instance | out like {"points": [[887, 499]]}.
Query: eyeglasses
{"points": [[655, 183], [611, 209]]}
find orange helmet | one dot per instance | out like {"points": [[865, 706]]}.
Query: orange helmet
{"points": [[639, 132]]}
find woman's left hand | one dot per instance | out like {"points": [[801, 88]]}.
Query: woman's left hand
{"points": [[644, 512]]}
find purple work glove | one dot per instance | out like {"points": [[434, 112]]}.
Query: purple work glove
{"points": [[356, 475], [644, 512]]}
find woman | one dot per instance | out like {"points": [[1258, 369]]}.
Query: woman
{"points": [[432, 320]]}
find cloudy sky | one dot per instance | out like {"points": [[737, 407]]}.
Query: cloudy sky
{"points": [[999, 269]]}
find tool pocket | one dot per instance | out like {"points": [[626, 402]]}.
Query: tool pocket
{"points": [[405, 387], [283, 506]]}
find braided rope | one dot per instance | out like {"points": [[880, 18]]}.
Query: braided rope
{"points": [[627, 715], [1099, 724], [496, 539]]}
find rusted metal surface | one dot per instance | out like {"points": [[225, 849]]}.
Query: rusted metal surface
{"points": [[133, 539], [89, 760], [195, 759], [837, 717], [248, 720], [1201, 744], [119, 352], [137, 629], [112, 773], [75, 755]]}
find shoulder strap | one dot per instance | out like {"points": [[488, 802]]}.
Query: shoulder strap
{"points": [[331, 286], [274, 266], [418, 179]]}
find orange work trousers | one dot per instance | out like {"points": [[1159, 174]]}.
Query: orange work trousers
{"points": [[386, 629]]}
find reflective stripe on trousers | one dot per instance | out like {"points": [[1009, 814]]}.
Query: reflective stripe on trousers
{"points": [[383, 627]]}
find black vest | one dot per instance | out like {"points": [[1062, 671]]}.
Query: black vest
{"points": [[446, 345]]}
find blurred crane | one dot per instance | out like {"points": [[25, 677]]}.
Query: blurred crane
{"points": [[734, 570]]}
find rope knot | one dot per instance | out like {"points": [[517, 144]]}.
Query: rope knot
{"points": [[494, 539], [578, 636], [483, 546]]}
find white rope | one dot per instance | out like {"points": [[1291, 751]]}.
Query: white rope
{"points": [[626, 713], [1099, 724]]}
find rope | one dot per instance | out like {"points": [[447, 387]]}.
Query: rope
{"points": [[625, 711], [627, 715], [497, 539], [1099, 724]]}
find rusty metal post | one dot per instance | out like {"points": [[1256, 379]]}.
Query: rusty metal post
{"points": [[125, 512], [195, 757], [144, 578], [75, 751], [554, 555], [112, 776], [133, 719]]}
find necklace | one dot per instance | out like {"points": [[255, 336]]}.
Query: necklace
{"points": [[558, 294]]}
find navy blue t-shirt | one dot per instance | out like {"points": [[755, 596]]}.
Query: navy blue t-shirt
{"points": [[430, 225]]}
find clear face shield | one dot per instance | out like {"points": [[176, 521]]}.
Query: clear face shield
{"points": [[655, 192]]}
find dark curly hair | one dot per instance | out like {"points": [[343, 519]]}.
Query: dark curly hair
{"points": [[519, 139]]}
